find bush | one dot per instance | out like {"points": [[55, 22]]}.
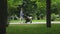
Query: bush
{"points": [[57, 19], [53, 17]]}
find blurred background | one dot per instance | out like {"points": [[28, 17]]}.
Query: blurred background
{"points": [[35, 8]]}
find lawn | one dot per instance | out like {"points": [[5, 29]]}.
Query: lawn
{"points": [[33, 29], [14, 21]]}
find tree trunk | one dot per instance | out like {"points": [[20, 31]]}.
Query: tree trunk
{"points": [[48, 6], [3, 16]]}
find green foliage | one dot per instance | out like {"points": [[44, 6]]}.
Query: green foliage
{"points": [[55, 6], [14, 3], [32, 7], [12, 6], [57, 19], [53, 17]]}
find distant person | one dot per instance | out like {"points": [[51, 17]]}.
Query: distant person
{"points": [[21, 16]]}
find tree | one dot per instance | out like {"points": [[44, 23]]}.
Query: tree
{"points": [[29, 7], [55, 6], [12, 6]]}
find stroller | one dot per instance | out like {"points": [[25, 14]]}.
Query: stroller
{"points": [[28, 19]]}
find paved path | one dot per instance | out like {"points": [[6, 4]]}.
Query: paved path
{"points": [[36, 23]]}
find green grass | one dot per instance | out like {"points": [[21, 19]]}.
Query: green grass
{"points": [[38, 20], [33, 29], [32, 21]]}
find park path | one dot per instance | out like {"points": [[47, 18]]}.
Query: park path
{"points": [[36, 23]]}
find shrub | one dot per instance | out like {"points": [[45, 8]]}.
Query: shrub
{"points": [[57, 19], [53, 17]]}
